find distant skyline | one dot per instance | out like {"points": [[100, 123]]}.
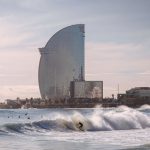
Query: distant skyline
{"points": [[117, 41]]}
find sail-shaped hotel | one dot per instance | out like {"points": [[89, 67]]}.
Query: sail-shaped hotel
{"points": [[61, 65]]}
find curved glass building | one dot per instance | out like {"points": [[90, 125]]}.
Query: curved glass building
{"points": [[62, 61]]}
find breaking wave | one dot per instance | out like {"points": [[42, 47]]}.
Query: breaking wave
{"points": [[100, 119]]}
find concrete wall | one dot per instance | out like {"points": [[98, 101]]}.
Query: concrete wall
{"points": [[87, 89]]}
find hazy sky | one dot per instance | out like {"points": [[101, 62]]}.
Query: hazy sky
{"points": [[117, 41]]}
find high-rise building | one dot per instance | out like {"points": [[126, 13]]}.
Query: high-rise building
{"points": [[62, 61]]}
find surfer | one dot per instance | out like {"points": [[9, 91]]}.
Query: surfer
{"points": [[80, 126]]}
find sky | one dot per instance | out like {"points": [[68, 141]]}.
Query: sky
{"points": [[117, 42]]}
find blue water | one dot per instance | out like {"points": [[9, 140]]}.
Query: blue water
{"points": [[52, 129]]}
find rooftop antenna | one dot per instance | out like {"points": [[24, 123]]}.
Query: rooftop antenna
{"points": [[55, 82], [118, 88], [82, 78]]}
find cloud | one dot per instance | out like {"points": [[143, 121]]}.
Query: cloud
{"points": [[116, 57], [11, 75], [22, 91], [19, 67], [145, 73], [126, 64]]}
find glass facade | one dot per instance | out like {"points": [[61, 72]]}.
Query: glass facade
{"points": [[62, 61]]}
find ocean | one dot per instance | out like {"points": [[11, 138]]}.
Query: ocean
{"points": [[120, 128]]}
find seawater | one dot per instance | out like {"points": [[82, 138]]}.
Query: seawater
{"points": [[53, 129]]}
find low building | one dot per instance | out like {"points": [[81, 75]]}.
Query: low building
{"points": [[135, 97], [86, 89], [139, 92], [13, 103]]}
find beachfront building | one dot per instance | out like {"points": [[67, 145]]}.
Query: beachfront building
{"points": [[62, 61]]}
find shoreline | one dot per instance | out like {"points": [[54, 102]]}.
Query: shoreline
{"points": [[71, 105]]}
